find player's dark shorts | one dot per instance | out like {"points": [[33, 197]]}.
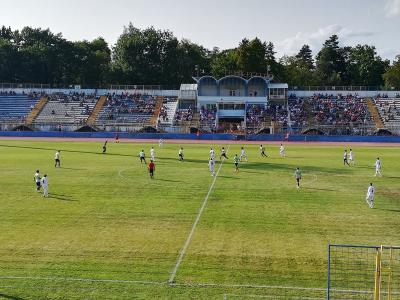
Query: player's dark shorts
{"points": [[236, 165], [298, 179], [151, 171], [38, 185], [57, 160], [181, 156], [142, 159], [223, 155]]}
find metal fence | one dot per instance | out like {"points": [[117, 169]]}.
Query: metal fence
{"points": [[340, 88], [363, 272]]}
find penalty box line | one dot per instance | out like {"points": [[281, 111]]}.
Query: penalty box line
{"points": [[196, 222]]}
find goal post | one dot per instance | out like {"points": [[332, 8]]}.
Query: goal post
{"points": [[363, 272]]}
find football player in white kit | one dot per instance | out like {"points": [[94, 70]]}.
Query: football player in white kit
{"points": [[45, 185], [152, 154], [282, 151], [243, 155], [211, 166], [351, 157], [142, 157], [370, 195], [160, 143], [212, 154], [37, 180], [57, 159], [378, 167], [345, 161]]}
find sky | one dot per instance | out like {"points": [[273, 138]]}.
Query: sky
{"points": [[215, 23]]}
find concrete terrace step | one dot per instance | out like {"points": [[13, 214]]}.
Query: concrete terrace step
{"points": [[36, 110]]}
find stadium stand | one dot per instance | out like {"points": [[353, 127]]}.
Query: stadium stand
{"points": [[157, 110], [389, 110], [72, 108], [167, 111], [208, 118], [326, 110], [36, 110], [183, 115], [257, 117], [374, 113], [127, 108], [15, 107], [96, 110]]}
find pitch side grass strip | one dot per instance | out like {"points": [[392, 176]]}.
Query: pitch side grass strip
{"points": [[189, 238]]}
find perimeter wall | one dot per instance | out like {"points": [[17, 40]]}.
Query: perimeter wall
{"points": [[230, 137]]}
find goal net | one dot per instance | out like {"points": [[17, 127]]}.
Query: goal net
{"points": [[363, 272]]}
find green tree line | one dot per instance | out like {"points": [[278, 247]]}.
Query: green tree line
{"points": [[151, 56]]}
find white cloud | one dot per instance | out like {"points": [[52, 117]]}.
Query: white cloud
{"points": [[292, 45], [392, 8]]}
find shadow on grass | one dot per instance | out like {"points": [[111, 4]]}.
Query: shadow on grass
{"points": [[61, 197], [244, 170], [291, 168], [198, 161], [68, 151], [10, 297], [317, 189], [73, 169], [168, 180], [230, 177], [391, 210]]}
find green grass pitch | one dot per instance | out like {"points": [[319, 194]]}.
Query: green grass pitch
{"points": [[107, 220]]}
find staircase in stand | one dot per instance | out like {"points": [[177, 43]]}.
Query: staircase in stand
{"points": [[196, 119], [36, 110], [157, 110], [96, 110], [374, 113]]}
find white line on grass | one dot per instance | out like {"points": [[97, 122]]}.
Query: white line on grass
{"points": [[189, 238], [123, 170]]}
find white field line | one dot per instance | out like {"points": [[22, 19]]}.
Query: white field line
{"points": [[123, 170], [189, 238], [314, 179], [194, 284], [144, 282]]}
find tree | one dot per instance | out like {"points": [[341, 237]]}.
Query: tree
{"points": [[274, 67], [365, 67], [304, 58], [296, 72], [9, 58], [191, 56], [330, 63], [392, 75], [251, 56], [92, 60], [223, 62], [145, 56]]}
